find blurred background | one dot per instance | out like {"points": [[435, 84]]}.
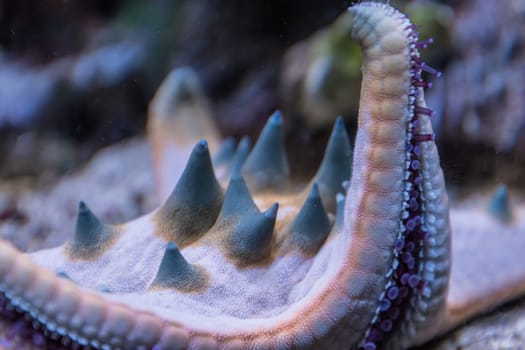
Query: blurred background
{"points": [[77, 76]]}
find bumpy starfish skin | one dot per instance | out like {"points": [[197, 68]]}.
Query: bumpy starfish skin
{"points": [[209, 270]]}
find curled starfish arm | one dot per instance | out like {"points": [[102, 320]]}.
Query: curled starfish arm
{"points": [[422, 232]]}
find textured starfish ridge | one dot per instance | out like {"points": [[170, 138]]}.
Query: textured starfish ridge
{"points": [[240, 257]]}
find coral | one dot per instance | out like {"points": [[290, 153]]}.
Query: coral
{"points": [[359, 257]]}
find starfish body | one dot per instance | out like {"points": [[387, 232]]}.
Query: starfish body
{"points": [[369, 269]]}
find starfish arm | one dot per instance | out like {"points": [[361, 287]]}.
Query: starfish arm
{"points": [[429, 316], [488, 267]]}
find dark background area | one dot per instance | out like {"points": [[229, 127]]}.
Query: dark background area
{"points": [[76, 76]]}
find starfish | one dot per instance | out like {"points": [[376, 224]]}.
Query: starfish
{"points": [[364, 256]]}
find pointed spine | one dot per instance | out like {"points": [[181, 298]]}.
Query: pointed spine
{"points": [[267, 165], [245, 232], [91, 236], [242, 152], [176, 273], [193, 206], [237, 199], [499, 206], [251, 239], [312, 225], [225, 153], [336, 166], [64, 275]]}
